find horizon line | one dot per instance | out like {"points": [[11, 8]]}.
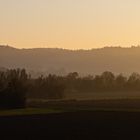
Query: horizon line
{"points": [[105, 47]]}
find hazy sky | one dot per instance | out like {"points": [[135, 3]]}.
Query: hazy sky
{"points": [[71, 24]]}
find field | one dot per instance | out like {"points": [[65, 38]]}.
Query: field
{"points": [[73, 120], [27, 111], [74, 105], [102, 95], [73, 125]]}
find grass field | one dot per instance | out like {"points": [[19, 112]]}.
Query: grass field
{"points": [[36, 107], [102, 95], [27, 111], [107, 104], [73, 120], [39, 111]]}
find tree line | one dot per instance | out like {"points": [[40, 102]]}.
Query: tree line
{"points": [[16, 85], [106, 82]]}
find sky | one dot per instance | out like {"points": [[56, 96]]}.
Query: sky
{"points": [[70, 24]]}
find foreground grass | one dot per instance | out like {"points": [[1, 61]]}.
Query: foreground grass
{"points": [[41, 111], [27, 111], [40, 107]]}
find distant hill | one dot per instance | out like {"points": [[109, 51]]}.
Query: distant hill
{"points": [[61, 61]]}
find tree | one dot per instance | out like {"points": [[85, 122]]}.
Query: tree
{"points": [[13, 88], [134, 81], [108, 79], [120, 82]]}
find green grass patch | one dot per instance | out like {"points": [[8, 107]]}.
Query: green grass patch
{"points": [[27, 111], [41, 111]]}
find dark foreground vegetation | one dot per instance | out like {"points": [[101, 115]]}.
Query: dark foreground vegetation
{"points": [[86, 125], [16, 86]]}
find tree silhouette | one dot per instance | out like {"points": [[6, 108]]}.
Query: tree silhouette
{"points": [[13, 88]]}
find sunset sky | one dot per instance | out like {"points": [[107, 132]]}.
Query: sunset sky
{"points": [[71, 24]]}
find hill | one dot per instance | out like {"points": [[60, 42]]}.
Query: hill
{"points": [[62, 61]]}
